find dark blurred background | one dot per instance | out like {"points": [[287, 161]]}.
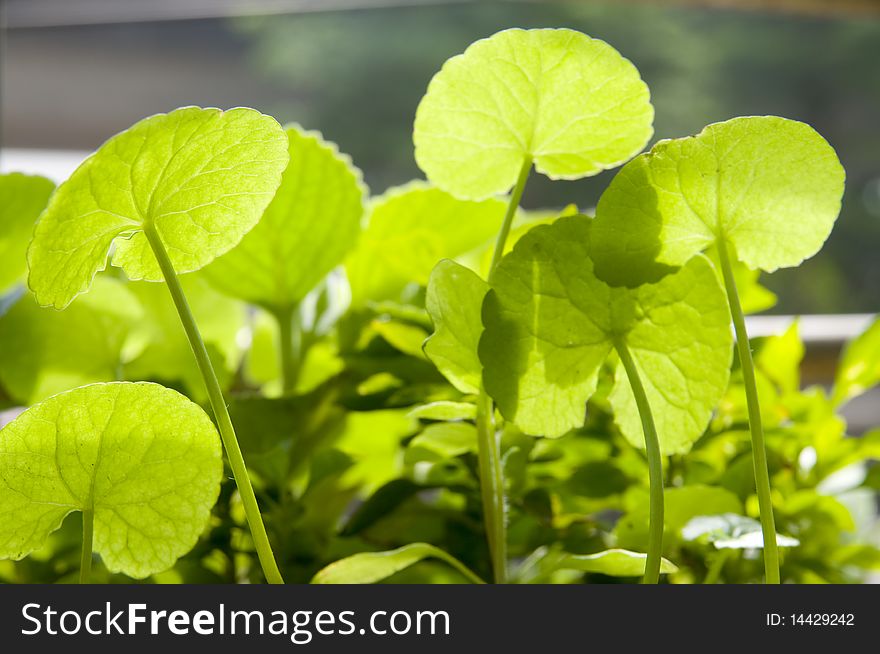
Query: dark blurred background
{"points": [[74, 72]]}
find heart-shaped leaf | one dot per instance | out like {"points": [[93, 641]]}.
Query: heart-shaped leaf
{"points": [[201, 177], [308, 228], [142, 457], [550, 324], [767, 186], [22, 198], [556, 97], [454, 300]]}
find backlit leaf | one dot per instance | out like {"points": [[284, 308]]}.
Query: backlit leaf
{"points": [[43, 351], [370, 567], [201, 177], [769, 187], [454, 301], [566, 101], [859, 367], [613, 562], [22, 198], [145, 459], [550, 324], [411, 228], [306, 231]]}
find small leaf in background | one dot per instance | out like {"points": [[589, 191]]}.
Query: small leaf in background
{"points": [[201, 177], [401, 336], [47, 351], [613, 562], [570, 103], [372, 439], [682, 504], [143, 457], [371, 567], [158, 348], [410, 228], [22, 198], [454, 301], [307, 230], [859, 367], [550, 324], [445, 410], [730, 531], [448, 439], [779, 358], [769, 186]]}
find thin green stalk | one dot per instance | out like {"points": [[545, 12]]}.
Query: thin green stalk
{"points": [[714, 571], [221, 413], [492, 486], [759, 454], [489, 451], [290, 333], [85, 562], [655, 467]]}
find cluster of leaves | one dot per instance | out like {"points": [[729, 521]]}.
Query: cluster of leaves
{"points": [[357, 338]]}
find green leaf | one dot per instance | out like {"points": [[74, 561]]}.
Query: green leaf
{"points": [[201, 177], [410, 228], [158, 348], [401, 336], [454, 300], [557, 97], [767, 186], [859, 367], [46, 351], [308, 228], [22, 198], [730, 531], [370, 567], [613, 562], [682, 504], [445, 410], [550, 324], [145, 459], [780, 358], [448, 439]]}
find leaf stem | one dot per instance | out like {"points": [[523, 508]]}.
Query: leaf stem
{"points": [[489, 444], [85, 562], [290, 333], [221, 413], [759, 454], [655, 466], [512, 206]]}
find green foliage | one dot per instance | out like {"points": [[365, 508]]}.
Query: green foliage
{"points": [[555, 97], [614, 563], [860, 367], [200, 177], [22, 198], [311, 224], [142, 458], [370, 567], [551, 324], [767, 186]]}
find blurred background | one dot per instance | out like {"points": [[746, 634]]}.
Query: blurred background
{"points": [[74, 72]]}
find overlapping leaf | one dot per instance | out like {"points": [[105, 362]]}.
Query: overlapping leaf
{"points": [[201, 177], [550, 323], [767, 186], [308, 228], [410, 229], [22, 198], [557, 97], [145, 459]]}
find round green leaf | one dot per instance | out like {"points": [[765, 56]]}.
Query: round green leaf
{"points": [[769, 187], [567, 102], [201, 177], [410, 228], [308, 228], [47, 351], [22, 198], [144, 458], [550, 324]]}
